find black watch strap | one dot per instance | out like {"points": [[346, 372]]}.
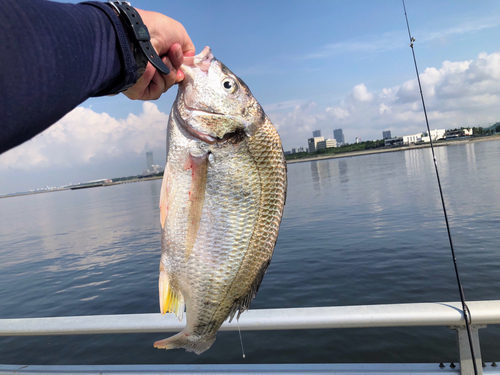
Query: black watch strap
{"points": [[138, 32]]}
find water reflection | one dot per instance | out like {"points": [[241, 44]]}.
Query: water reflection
{"points": [[80, 229], [343, 171], [414, 163], [321, 174], [442, 159], [155, 193], [471, 156], [324, 171], [315, 175]]}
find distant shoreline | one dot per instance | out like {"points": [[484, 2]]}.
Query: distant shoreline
{"points": [[393, 149], [90, 187], [302, 160]]}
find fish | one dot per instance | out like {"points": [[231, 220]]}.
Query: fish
{"points": [[221, 201]]}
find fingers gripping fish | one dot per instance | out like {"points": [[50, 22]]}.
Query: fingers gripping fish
{"points": [[221, 201]]}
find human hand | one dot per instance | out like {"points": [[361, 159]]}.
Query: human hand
{"points": [[172, 43]]}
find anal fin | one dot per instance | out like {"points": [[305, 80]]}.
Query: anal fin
{"points": [[243, 303]]}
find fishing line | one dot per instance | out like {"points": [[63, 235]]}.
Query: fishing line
{"points": [[465, 309], [241, 341]]}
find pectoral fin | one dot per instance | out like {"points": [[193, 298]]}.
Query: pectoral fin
{"points": [[198, 166], [164, 195]]}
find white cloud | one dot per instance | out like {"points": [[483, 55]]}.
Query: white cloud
{"points": [[84, 136], [283, 105], [465, 27], [338, 112], [360, 93], [463, 93], [398, 39], [384, 109]]}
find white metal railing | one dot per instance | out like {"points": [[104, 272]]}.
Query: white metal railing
{"points": [[395, 315], [364, 316]]}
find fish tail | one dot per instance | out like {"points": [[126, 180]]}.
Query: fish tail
{"points": [[192, 343]]}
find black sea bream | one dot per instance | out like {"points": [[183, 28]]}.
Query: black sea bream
{"points": [[222, 199]]}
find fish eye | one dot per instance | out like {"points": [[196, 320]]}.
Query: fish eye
{"points": [[229, 85]]}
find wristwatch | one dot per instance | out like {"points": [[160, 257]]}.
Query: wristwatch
{"points": [[139, 38]]}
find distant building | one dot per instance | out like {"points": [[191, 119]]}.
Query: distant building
{"points": [[413, 138], [424, 137], [327, 143], [152, 168], [89, 184], [149, 160], [396, 141], [458, 133], [296, 150], [316, 133], [312, 142], [406, 140], [386, 134], [358, 140], [435, 134], [339, 137]]}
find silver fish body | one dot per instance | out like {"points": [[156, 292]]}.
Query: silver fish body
{"points": [[221, 202]]}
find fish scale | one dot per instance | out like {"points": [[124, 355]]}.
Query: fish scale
{"points": [[221, 202]]}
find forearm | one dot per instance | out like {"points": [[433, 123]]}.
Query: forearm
{"points": [[53, 57]]}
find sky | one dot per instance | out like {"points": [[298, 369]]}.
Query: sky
{"points": [[312, 65]]}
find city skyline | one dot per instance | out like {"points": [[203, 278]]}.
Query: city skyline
{"points": [[317, 143]]}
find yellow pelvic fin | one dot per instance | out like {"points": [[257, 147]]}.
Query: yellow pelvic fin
{"points": [[196, 199], [170, 300]]}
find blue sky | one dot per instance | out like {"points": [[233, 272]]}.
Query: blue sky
{"points": [[311, 64]]}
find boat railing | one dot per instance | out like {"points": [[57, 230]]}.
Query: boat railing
{"points": [[364, 316]]}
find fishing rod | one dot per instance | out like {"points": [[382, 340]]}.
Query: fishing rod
{"points": [[465, 309]]}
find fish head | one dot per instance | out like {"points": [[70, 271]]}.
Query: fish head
{"points": [[213, 104]]}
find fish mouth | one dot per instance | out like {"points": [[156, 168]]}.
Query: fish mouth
{"points": [[201, 61], [193, 110], [190, 66]]}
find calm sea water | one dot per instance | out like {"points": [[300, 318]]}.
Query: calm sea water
{"points": [[360, 230]]}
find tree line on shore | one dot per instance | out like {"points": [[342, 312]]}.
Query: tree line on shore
{"points": [[486, 131]]}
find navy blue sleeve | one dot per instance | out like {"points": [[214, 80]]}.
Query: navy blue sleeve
{"points": [[53, 57]]}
